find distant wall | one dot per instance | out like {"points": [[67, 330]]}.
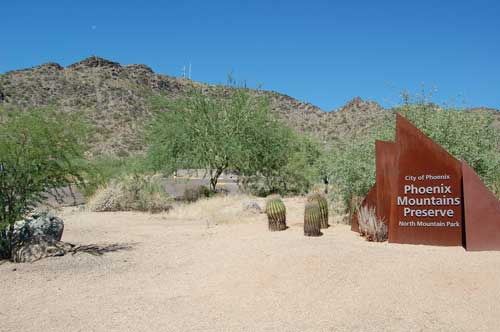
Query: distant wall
{"points": [[204, 174]]}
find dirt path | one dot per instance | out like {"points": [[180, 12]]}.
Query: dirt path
{"points": [[181, 275]]}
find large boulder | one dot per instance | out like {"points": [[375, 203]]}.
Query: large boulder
{"points": [[43, 224], [38, 248], [36, 237]]}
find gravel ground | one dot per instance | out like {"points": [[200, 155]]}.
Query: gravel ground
{"points": [[186, 274]]}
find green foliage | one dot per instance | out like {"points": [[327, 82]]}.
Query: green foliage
{"points": [[352, 170], [276, 213], [312, 219], [466, 135], [289, 165], [300, 170], [102, 169], [208, 131], [236, 132], [39, 150]]}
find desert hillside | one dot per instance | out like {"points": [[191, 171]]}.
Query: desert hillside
{"points": [[116, 98]]}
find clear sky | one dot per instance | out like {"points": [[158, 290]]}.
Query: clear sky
{"points": [[323, 52]]}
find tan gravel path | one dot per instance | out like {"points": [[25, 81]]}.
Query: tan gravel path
{"points": [[184, 276]]}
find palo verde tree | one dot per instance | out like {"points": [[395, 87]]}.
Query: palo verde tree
{"points": [[224, 129], [40, 151]]}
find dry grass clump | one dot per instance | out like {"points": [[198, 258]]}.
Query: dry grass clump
{"points": [[194, 193], [132, 193], [370, 226], [223, 209]]}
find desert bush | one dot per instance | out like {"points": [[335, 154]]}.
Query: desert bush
{"points": [[352, 171], [102, 169], [292, 169], [106, 198], [40, 150], [132, 193], [194, 193], [370, 226], [300, 172]]}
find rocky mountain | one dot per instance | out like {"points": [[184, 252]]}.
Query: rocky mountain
{"points": [[116, 98]]}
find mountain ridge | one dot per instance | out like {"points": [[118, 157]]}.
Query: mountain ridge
{"points": [[115, 98]]}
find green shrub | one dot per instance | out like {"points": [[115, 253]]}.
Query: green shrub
{"points": [[40, 150], [291, 166], [102, 169]]}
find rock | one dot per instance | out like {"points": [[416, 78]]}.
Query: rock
{"points": [[94, 62], [36, 237], [252, 206], [43, 224], [49, 66], [38, 248]]}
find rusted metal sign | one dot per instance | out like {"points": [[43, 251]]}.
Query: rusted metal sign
{"points": [[420, 195]]}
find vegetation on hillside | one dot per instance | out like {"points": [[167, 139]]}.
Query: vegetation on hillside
{"points": [[115, 99]]}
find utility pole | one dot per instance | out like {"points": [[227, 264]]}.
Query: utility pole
{"points": [[190, 70]]}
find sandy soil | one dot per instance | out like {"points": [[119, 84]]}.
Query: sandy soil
{"points": [[185, 273]]}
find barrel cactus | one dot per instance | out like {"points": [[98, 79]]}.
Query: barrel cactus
{"points": [[323, 207], [276, 213], [312, 219]]}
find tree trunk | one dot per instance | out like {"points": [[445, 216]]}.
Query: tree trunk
{"points": [[214, 178]]}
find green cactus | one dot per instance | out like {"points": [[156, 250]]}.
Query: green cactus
{"points": [[276, 213], [312, 219], [323, 206]]}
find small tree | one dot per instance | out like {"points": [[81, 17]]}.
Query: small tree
{"points": [[40, 150], [227, 129], [292, 167]]}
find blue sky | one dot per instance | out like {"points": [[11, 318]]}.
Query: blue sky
{"points": [[323, 52]]}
